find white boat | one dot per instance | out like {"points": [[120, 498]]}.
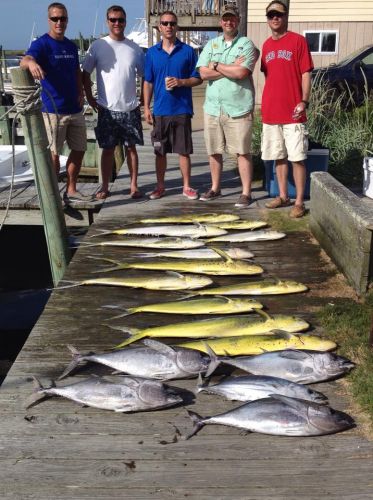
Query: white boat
{"points": [[23, 171]]}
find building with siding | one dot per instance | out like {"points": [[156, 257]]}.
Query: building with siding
{"points": [[334, 29]]}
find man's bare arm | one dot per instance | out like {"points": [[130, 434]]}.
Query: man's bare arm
{"points": [[28, 62]]}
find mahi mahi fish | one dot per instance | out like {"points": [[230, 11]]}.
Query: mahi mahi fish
{"points": [[187, 218], [191, 231], [252, 387], [226, 267], [304, 367], [127, 394], [241, 224], [257, 344], [167, 281], [281, 416], [264, 287], [155, 360], [213, 305], [219, 327], [200, 253], [249, 236], [168, 243]]}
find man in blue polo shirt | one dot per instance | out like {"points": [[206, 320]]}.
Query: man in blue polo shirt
{"points": [[169, 75], [53, 59]]}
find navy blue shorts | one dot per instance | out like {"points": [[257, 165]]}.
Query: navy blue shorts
{"points": [[119, 127]]}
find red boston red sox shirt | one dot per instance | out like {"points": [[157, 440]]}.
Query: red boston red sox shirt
{"points": [[283, 63]]}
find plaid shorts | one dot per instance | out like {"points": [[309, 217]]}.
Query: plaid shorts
{"points": [[118, 127]]}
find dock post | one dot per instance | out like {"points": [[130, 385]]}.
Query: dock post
{"points": [[45, 178]]}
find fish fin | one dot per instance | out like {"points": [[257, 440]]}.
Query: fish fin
{"points": [[198, 423], [222, 254], [38, 396], [73, 364], [175, 274], [295, 354], [160, 347], [295, 403], [227, 299], [134, 338], [283, 334], [214, 360], [200, 384], [263, 314], [71, 285]]}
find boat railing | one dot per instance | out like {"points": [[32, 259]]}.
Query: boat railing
{"points": [[188, 7]]}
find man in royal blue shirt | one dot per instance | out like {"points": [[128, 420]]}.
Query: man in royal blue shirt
{"points": [[53, 59], [169, 75]]}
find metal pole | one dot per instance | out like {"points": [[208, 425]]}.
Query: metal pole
{"points": [[242, 9], [46, 180]]}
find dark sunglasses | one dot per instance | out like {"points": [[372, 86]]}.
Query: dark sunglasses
{"points": [[169, 23], [275, 13], [55, 19], [119, 20]]}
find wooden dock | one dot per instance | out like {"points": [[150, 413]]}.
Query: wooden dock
{"points": [[59, 450]]}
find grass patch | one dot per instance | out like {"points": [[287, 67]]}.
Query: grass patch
{"points": [[348, 323], [279, 220]]}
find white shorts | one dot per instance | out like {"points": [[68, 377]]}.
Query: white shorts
{"points": [[284, 141]]}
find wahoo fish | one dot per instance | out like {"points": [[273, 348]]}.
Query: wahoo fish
{"points": [[249, 236], [200, 253], [155, 360], [219, 327], [127, 394], [265, 287], [190, 231], [253, 387], [166, 281], [281, 416], [241, 224], [187, 218], [168, 242], [213, 305], [227, 267], [257, 344], [303, 367]]}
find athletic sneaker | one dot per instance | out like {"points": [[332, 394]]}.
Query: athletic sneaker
{"points": [[278, 202], [157, 193], [190, 193], [243, 201], [210, 195]]}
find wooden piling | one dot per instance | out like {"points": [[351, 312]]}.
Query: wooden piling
{"points": [[46, 180]]}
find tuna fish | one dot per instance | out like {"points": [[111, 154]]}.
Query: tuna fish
{"points": [[219, 327], [280, 416], [257, 344], [252, 387], [304, 367], [249, 236], [155, 361], [127, 394]]}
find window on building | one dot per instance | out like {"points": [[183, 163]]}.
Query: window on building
{"points": [[322, 42]]}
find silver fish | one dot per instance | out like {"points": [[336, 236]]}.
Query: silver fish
{"points": [[191, 231], [127, 394], [149, 242], [281, 416], [155, 361], [303, 367], [252, 387], [249, 236], [201, 253]]}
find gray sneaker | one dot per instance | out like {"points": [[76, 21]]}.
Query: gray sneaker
{"points": [[243, 201]]}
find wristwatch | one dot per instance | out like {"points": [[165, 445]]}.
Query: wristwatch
{"points": [[306, 103], [215, 65]]}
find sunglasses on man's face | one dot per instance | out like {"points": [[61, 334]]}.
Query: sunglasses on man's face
{"points": [[275, 13], [120, 20], [55, 19], [169, 23]]}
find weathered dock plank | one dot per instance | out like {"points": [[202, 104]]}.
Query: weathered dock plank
{"points": [[60, 450]]}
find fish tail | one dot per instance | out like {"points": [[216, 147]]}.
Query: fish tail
{"points": [[73, 364], [134, 338], [198, 423], [72, 284], [118, 265], [100, 232], [39, 393], [214, 360], [127, 312]]}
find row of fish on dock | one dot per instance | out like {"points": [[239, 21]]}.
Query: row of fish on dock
{"points": [[278, 357]]}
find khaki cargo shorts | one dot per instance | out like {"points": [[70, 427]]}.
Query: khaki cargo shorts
{"points": [[71, 128], [225, 133], [284, 141]]}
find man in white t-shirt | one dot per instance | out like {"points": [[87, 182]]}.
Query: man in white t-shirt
{"points": [[117, 61]]}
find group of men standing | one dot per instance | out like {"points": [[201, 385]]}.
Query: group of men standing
{"points": [[170, 70]]}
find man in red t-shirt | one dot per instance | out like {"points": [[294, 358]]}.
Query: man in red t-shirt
{"points": [[287, 64]]}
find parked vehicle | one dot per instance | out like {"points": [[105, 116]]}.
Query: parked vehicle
{"points": [[353, 75]]}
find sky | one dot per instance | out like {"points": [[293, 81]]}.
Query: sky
{"points": [[18, 17]]}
